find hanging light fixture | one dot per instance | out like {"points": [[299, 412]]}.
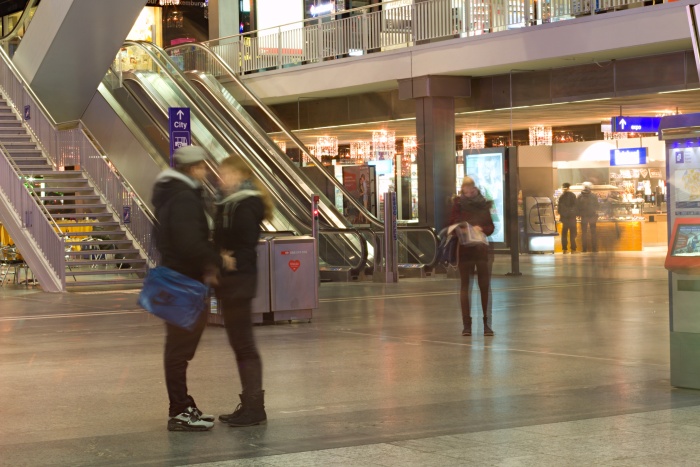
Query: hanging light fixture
{"points": [[540, 135], [410, 152], [326, 146], [384, 144], [361, 151], [473, 139], [410, 147]]}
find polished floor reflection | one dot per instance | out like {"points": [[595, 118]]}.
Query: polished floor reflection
{"points": [[381, 376]]}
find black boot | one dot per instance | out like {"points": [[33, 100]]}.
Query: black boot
{"points": [[487, 330], [251, 411], [467, 327]]}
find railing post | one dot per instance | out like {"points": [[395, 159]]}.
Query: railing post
{"points": [[279, 47], [413, 37], [241, 56], [319, 47], [364, 32]]}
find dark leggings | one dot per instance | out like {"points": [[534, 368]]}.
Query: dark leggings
{"points": [[471, 259], [180, 346], [239, 327]]}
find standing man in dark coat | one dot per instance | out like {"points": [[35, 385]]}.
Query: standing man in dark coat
{"points": [[182, 238], [587, 205], [567, 215]]}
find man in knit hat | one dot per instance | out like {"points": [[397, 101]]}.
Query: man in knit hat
{"points": [[182, 239]]}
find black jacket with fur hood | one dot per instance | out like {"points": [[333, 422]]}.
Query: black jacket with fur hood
{"points": [[182, 231]]}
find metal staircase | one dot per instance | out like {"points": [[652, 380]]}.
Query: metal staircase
{"points": [[99, 251]]}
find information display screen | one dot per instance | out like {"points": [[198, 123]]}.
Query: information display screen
{"points": [[486, 168], [686, 240]]}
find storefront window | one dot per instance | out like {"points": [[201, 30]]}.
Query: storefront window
{"points": [[147, 27]]}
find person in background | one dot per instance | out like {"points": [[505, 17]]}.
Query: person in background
{"points": [[243, 206], [587, 206], [567, 214], [182, 238], [471, 207]]}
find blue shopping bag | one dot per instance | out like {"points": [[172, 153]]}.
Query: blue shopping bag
{"points": [[173, 297]]}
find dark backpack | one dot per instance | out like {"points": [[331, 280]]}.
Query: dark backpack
{"points": [[447, 249]]}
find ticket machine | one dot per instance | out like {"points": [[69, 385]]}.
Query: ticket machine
{"points": [[682, 136]]}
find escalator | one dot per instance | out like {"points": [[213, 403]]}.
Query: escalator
{"points": [[156, 85], [249, 117]]}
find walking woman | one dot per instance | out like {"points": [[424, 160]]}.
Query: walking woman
{"points": [[471, 207], [244, 204]]}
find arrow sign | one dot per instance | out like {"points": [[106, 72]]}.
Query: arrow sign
{"points": [[636, 124], [179, 129]]}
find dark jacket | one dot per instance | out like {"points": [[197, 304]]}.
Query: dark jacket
{"points": [[237, 229], [587, 205], [567, 206], [182, 231], [475, 211]]}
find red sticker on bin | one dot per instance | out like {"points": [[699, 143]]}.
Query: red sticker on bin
{"points": [[294, 264]]}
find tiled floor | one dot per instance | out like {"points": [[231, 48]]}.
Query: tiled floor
{"points": [[663, 437], [577, 374]]}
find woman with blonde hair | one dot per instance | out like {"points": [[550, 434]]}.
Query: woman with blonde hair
{"points": [[471, 207], [243, 205]]}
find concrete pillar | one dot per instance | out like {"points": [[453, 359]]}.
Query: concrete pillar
{"points": [[224, 18], [435, 131], [68, 48]]}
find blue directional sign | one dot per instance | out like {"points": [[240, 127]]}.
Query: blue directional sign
{"points": [[628, 156], [635, 124], [180, 132]]}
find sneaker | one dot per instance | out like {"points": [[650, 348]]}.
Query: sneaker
{"points": [[487, 330], [204, 416], [564, 252], [188, 421], [467, 332]]}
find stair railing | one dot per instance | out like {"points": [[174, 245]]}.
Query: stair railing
{"points": [[134, 215], [68, 146], [46, 235]]}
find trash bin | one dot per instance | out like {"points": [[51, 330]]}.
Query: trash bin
{"points": [[293, 277]]}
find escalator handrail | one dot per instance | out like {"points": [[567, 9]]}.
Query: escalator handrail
{"points": [[169, 69], [191, 94], [434, 236], [376, 223], [206, 184], [22, 22], [161, 107], [255, 133], [364, 251]]}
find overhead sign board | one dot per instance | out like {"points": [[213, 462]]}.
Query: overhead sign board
{"points": [[179, 129], [628, 156], [635, 124]]}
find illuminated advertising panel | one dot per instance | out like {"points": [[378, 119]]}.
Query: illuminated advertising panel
{"points": [[486, 168]]}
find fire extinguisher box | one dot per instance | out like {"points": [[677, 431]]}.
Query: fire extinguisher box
{"points": [[293, 277]]}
